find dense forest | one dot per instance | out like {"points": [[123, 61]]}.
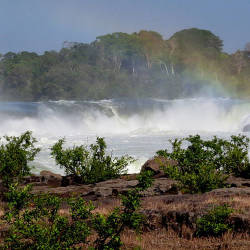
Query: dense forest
{"points": [[134, 65]]}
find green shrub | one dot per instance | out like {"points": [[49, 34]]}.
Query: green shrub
{"points": [[204, 164], [40, 226], [203, 179], [236, 159], [35, 221], [229, 155], [17, 197], [215, 222], [15, 154], [92, 165], [109, 227], [145, 180]]}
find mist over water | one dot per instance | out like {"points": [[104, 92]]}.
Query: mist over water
{"points": [[135, 127]]}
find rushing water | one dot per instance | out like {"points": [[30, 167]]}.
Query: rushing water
{"points": [[135, 127]]}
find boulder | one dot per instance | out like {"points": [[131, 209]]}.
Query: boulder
{"points": [[162, 186], [71, 180], [155, 165], [51, 179], [34, 179]]}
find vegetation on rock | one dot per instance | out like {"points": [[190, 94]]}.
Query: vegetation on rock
{"points": [[15, 155], [36, 223], [215, 222], [89, 166], [205, 164]]}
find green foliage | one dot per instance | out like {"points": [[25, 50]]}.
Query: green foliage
{"points": [[80, 209], [40, 225], [17, 199], [236, 156], [36, 223], [227, 154], [117, 65], [15, 155], [145, 180], [110, 227], [108, 230], [204, 164], [215, 222], [196, 40], [92, 165], [203, 179]]}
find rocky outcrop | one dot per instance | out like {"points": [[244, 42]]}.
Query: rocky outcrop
{"points": [[238, 182], [180, 212], [70, 180], [162, 204], [51, 179], [155, 165], [46, 178], [109, 188]]}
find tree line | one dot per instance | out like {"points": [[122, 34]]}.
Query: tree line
{"points": [[133, 65]]}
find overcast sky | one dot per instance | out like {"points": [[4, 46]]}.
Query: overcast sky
{"points": [[39, 25]]}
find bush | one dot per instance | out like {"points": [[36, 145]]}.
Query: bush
{"points": [[203, 179], [205, 164], [40, 226], [231, 156], [35, 222], [215, 222], [15, 154], [236, 159], [199, 167], [90, 166], [127, 216], [17, 197]]}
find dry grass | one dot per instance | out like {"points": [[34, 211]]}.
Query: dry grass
{"points": [[1, 212], [2, 208], [158, 204], [198, 203], [241, 204], [162, 240], [106, 206]]}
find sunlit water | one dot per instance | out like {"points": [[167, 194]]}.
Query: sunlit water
{"points": [[135, 127]]}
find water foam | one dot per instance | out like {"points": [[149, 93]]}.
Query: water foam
{"points": [[134, 127], [123, 117]]}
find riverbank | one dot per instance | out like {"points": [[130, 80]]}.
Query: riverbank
{"points": [[170, 215]]}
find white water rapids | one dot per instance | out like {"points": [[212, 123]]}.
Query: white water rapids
{"points": [[135, 127]]}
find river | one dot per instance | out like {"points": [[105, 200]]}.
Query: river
{"points": [[137, 127]]}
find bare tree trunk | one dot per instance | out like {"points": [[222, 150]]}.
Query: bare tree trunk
{"points": [[133, 67], [149, 64], [166, 68], [173, 72], [117, 63], [162, 69]]}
